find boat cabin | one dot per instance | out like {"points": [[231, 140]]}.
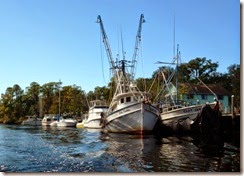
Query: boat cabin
{"points": [[125, 99]]}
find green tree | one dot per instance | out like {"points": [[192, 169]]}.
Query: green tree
{"points": [[234, 83], [200, 68], [49, 90], [11, 104], [73, 100], [8, 105], [32, 101]]}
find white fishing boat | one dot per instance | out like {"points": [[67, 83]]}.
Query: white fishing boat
{"points": [[33, 121], [181, 117], [66, 121], [96, 109], [130, 110]]}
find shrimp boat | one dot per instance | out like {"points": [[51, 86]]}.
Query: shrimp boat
{"points": [[176, 115], [130, 110], [96, 110]]}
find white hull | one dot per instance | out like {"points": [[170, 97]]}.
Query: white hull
{"points": [[46, 123], [54, 123], [65, 121], [181, 118], [32, 123], [47, 119], [185, 112], [136, 118], [94, 123], [66, 124]]}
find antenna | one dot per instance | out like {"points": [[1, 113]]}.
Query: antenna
{"points": [[59, 98], [174, 38], [122, 43], [118, 55]]}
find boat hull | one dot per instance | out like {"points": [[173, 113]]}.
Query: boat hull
{"points": [[94, 123], [66, 123], [181, 119], [80, 125], [32, 123], [53, 123], [137, 118]]}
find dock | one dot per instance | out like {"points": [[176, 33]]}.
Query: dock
{"points": [[231, 127]]}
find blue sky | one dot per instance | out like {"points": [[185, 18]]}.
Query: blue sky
{"points": [[48, 40]]}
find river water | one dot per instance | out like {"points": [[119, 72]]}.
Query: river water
{"points": [[46, 149]]}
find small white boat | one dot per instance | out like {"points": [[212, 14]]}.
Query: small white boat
{"points": [[54, 121], [66, 121], [96, 109], [47, 119], [34, 121]]}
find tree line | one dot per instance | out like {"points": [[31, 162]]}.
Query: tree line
{"points": [[52, 97]]}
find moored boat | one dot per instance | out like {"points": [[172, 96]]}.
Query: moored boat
{"points": [[180, 118], [66, 121], [130, 110], [177, 115], [33, 121], [96, 109], [131, 113], [54, 121], [47, 119]]}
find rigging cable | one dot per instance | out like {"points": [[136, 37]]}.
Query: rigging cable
{"points": [[102, 60], [203, 83], [142, 63]]}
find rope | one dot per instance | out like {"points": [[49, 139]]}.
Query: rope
{"points": [[203, 84]]}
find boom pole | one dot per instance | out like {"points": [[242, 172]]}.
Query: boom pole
{"points": [[138, 40], [106, 43]]}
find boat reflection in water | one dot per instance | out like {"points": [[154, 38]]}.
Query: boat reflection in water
{"points": [[132, 152]]}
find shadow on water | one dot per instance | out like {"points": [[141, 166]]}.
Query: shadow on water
{"points": [[150, 153]]}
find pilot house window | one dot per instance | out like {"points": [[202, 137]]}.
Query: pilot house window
{"points": [[127, 99], [121, 100]]}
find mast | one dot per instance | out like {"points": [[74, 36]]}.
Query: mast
{"points": [[136, 49], [106, 43], [177, 73], [40, 103], [59, 99]]}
